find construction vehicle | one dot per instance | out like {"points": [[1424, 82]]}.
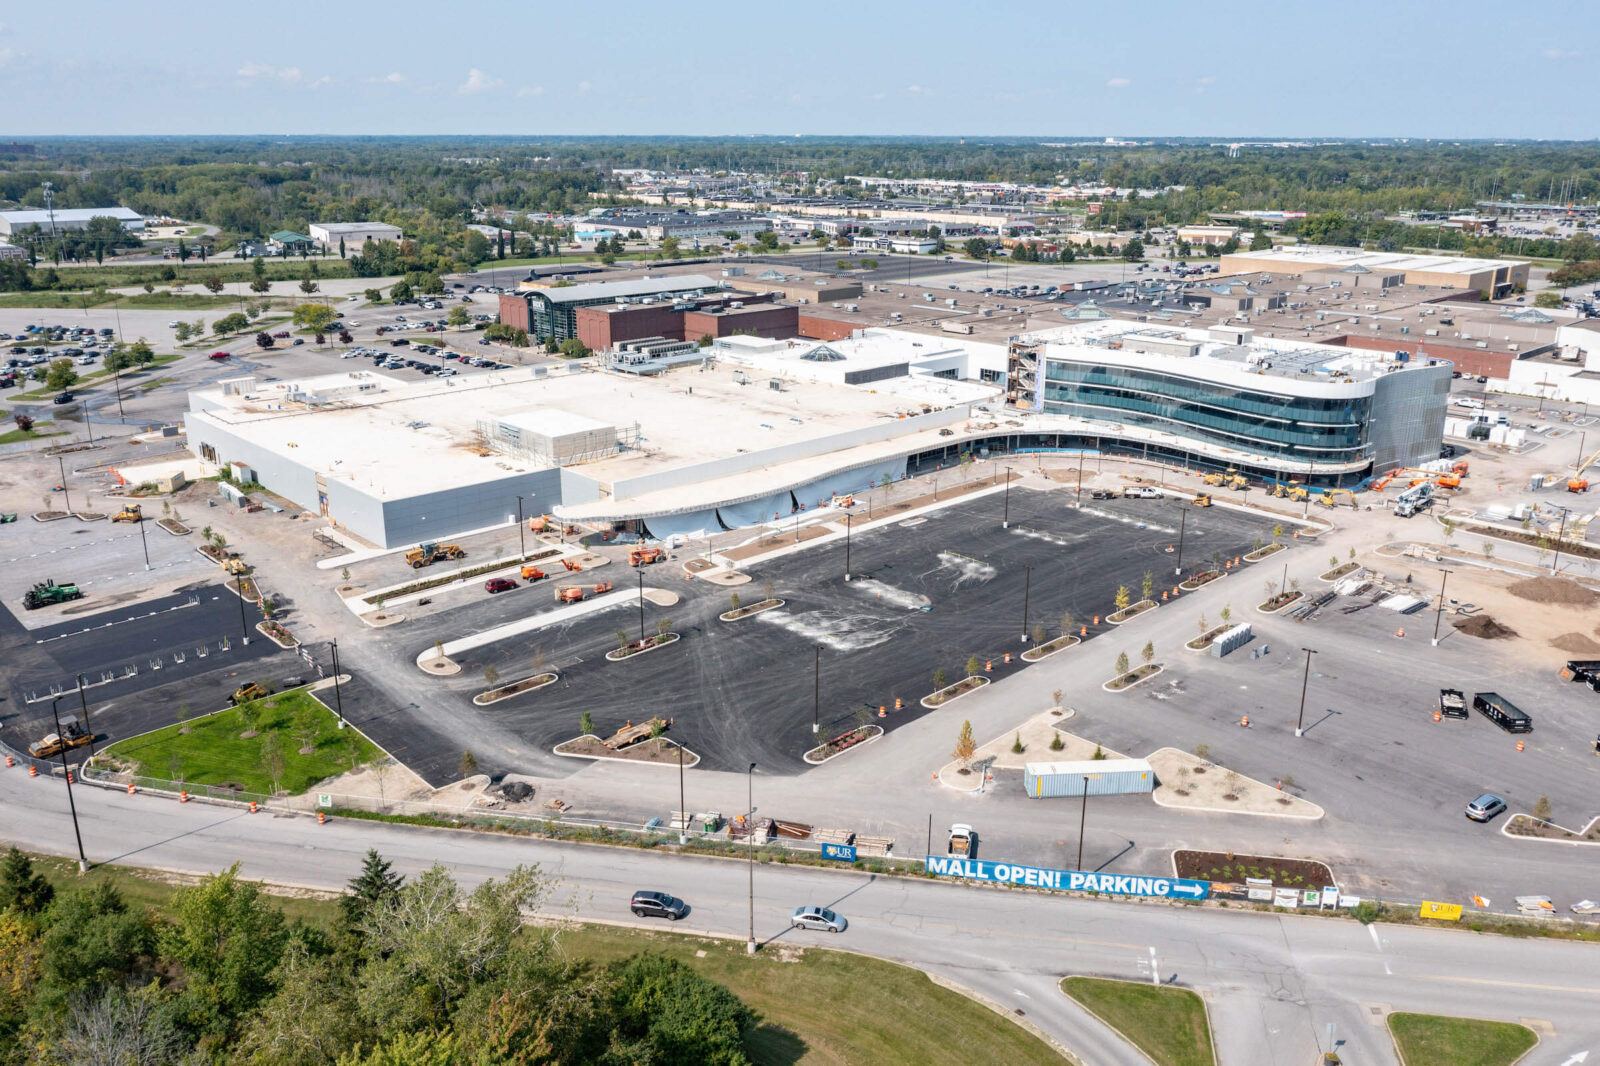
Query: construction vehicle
{"points": [[1331, 498], [1239, 482], [532, 573], [428, 552], [131, 512], [47, 593], [634, 732], [539, 524], [1577, 484], [1202, 500], [252, 690], [235, 566], [1295, 493], [963, 841], [8, 517], [574, 593], [1414, 499], [844, 501], [71, 736], [1214, 479], [643, 556], [570, 565]]}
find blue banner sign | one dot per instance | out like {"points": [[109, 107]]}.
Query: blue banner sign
{"points": [[842, 852], [1068, 880]]}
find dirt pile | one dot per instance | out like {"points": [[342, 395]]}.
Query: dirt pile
{"points": [[1486, 627], [1576, 643], [1554, 590]]}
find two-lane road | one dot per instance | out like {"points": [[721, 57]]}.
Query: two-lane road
{"points": [[1274, 982]]}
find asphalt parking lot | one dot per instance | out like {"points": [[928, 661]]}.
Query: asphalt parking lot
{"points": [[924, 595], [104, 559]]}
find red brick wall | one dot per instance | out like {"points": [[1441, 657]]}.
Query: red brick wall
{"points": [[778, 322], [1474, 361], [514, 312], [600, 328], [825, 329]]}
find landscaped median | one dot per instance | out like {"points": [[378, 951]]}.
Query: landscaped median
{"points": [[1437, 1040], [1278, 602], [639, 647], [515, 688], [1126, 680], [1263, 552], [842, 743], [1049, 648], [1203, 641], [1168, 1024], [1133, 610], [1200, 580], [771, 603], [955, 691]]}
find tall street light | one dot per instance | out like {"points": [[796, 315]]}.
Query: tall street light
{"points": [[1299, 723], [143, 543], [1005, 521], [640, 572], [750, 849], [1555, 564], [522, 534], [1027, 588], [847, 519], [338, 700], [1183, 524], [244, 626], [83, 702], [65, 495], [83, 860], [1439, 614], [816, 688]]}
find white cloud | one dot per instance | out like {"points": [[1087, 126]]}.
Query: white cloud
{"points": [[1560, 53], [478, 82], [584, 88], [394, 77], [264, 71], [1119, 83], [879, 96], [1207, 80], [7, 55], [322, 82], [531, 90], [916, 90]]}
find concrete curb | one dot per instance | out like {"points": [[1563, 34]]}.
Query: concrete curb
{"points": [[1157, 672]]}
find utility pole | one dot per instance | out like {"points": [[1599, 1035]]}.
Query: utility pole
{"points": [[847, 546], [683, 827], [1439, 614], [244, 626], [143, 542], [750, 850], [83, 860], [1083, 818], [640, 572], [1183, 524], [1299, 723], [1082, 451], [1005, 521], [1027, 588], [338, 700], [1555, 564]]}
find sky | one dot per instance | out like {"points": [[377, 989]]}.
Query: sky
{"points": [[1139, 68]]}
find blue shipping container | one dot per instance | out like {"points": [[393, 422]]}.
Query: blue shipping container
{"points": [[1101, 777]]}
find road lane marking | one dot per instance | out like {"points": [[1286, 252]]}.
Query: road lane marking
{"points": [[1509, 984], [1155, 974], [1373, 930]]}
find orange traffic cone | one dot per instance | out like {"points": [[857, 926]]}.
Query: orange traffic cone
{"points": [[183, 796], [322, 819], [988, 665], [253, 807], [882, 713], [9, 761], [1244, 721], [1096, 619], [1083, 631], [131, 789], [1519, 745], [1163, 595], [897, 703], [33, 771], [1006, 657], [1437, 717], [1400, 632]]}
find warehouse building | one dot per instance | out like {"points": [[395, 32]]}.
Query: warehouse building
{"points": [[353, 234], [1497, 278], [67, 218], [551, 313], [724, 315], [1228, 397]]}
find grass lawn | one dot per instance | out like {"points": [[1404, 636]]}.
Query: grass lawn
{"points": [[212, 752], [17, 436], [1167, 1024], [149, 301], [111, 275], [832, 1007], [1435, 1040]]}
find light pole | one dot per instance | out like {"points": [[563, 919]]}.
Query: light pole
{"points": [[338, 700], [750, 849], [244, 626], [1183, 524], [847, 546], [683, 823], [84, 703], [522, 539], [1083, 818], [1005, 520], [1027, 587], [1582, 436], [816, 688], [1078, 498], [83, 860], [143, 542], [65, 495], [1299, 723], [640, 572], [1439, 614]]}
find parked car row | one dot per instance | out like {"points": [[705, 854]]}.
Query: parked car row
{"points": [[651, 904]]}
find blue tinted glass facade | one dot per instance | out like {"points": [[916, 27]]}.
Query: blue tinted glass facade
{"points": [[1322, 429]]}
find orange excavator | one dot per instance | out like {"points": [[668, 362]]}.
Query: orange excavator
{"points": [[643, 556]]}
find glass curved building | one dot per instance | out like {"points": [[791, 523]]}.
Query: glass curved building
{"points": [[1227, 397]]}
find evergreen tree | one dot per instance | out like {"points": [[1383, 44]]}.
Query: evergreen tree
{"points": [[22, 888], [377, 883]]}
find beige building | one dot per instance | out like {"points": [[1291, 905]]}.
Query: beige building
{"points": [[797, 288], [1496, 277], [1210, 236]]}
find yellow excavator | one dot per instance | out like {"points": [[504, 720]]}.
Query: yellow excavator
{"points": [[1332, 497]]}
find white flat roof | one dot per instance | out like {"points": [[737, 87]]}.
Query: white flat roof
{"points": [[552, 422], [1090, 766], [1304, 255], [70, 214], [407, 438]]}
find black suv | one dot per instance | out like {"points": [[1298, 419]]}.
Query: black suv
{"points": [[658, 905]]}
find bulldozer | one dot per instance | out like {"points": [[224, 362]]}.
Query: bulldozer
{"points": [[72, 735], [1202, 500], [643, 556], [47, 593], [235, 566], [1214, 479], [1295, 493], [131, 512], [428, 552], [1238, 482], [252, 690]]}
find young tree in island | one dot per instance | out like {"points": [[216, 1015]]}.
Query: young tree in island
{"points": [[973, 666], [1122, 663], [469, 764], [1147, 654], [1147, 584], [965, 747], [1123, 598]]}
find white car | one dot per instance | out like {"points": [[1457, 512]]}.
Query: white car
{"points": [[172, 325], [352, 323], [348, 355]]}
